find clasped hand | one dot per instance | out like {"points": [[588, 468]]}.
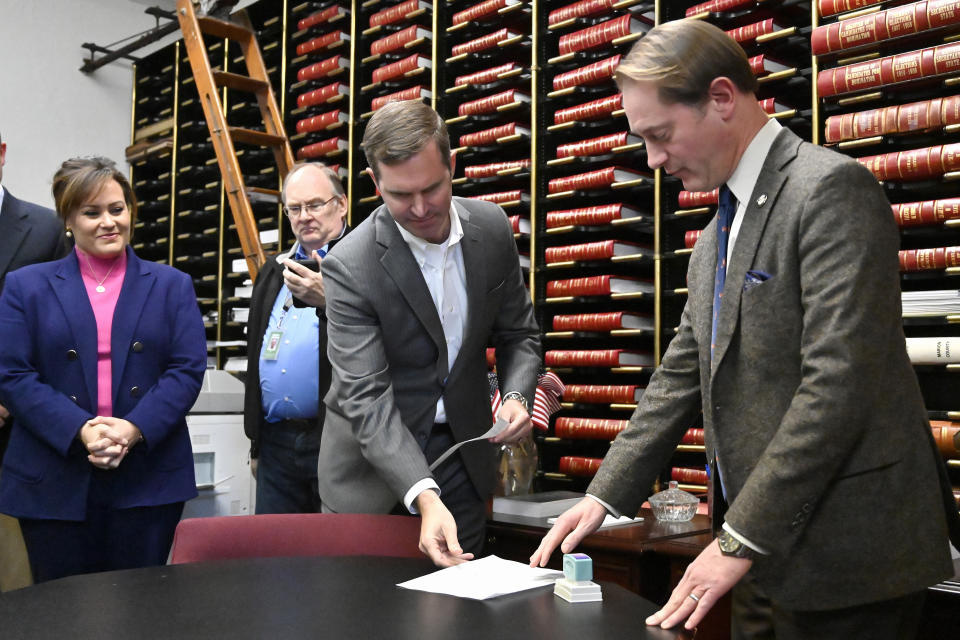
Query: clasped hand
{"points": [[303, 283], [108, 440]]}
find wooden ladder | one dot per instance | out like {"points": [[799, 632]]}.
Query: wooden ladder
{"points": [[194, 27]]}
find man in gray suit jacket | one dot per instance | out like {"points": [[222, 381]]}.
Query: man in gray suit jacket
{"points": [[414, 296], [29, 233], [813, 416]]}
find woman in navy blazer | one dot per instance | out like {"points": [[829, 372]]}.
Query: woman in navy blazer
{"points": [[102, 355]]}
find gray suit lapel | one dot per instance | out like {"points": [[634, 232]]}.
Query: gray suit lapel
{"points": [[473, 266], [13, 231], [755, 218], [400, 266]]}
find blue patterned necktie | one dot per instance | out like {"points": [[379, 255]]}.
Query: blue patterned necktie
{"points": [[725, 213]]}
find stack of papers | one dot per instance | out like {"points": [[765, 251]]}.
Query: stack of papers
{"points": [[484, 578], [930, 303]]}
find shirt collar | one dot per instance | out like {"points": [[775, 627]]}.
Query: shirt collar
{"points": [[745, 177], [421, 248], [1, 196], [297, 252]]}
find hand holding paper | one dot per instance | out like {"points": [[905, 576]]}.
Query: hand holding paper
{"points": [[497, 428]]}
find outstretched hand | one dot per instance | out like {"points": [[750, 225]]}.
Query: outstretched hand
{"points": [[571, 527], [438, 532]]}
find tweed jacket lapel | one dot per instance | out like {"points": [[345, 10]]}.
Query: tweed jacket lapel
{"points": [[755, 218], [400, 266]]}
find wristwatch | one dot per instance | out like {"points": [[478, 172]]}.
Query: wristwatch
{"points": [[516, 395], [730, 546]]}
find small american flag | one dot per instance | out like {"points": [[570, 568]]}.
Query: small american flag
{"points": [[546, 400]]}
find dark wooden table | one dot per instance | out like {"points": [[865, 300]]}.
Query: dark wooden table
{"points": [[343, 598]]}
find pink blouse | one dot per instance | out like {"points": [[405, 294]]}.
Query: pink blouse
{"points": [[103, 278]]}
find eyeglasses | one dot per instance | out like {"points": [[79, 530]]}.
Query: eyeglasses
{"points": [[308, 207]]}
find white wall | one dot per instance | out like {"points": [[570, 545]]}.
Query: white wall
{"points": [[49, 110]]}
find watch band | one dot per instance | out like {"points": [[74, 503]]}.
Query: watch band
{"points": [[516, 395], [730, 546]]}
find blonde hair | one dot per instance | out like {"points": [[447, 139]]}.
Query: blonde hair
{"points": [[80, 178], [400, 130], [682, 58]]}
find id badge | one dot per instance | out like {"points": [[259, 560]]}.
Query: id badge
{"points": [[273, 345]]}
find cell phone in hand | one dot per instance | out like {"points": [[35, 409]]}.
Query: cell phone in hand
{"points": [[311, 264]]}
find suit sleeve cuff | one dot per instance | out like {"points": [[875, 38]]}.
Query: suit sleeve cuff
{"points": [[743, 540], [610, 510], [423, 485]]}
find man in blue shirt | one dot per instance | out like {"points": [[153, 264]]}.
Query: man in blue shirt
{"points": [[287, 367]]}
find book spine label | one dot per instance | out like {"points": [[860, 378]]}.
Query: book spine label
{"points": [[316, 123], [482, 43], [579, 466], [927, 212], [587, 216], [590, 180], [593, 146], [690, 199], [689, 475], [487, 170], [586, 286], [579, 10], [589, 110], [501, 197], [831, 7], [926, 259], [693, 436], [588, 321], [589, 74], [319, 69], [395, 69], [485, 76], [488, 136], [478, 11], [319, 43], [318, 17], [320, 148], [394, 40], [596, 35], [599, 250], [487, 104], [582, 358], [588, 428], [406, 94], [394, 13], [318, 96]]}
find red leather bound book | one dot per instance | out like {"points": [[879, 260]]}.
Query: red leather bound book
{"points": [[927, 212], [588, 428], [884, 25], [480, 10], [400, 67], [489, 104], [598, 250], [597, 286], [593, 146], [486, 75], [322, 69], [601, 34], [579, 466], [322, 148], [923, 63], [397, 12], [321, 42], [914, 116], [501, 197], [580, 10], [488, 170], [322, 121], [321, 95], [590, 74], [771, 106], [689, 475], [593, 179], [914, 164], [947, 435], [763, 64], [693, 436], [715, 6], [410, 93], [593, 110], [602, 393], [398, 39], [605, 321], [690, 238], [483, 43], [831, 7], [519, 224], [748, 33], [597, 358], [319, 17], [926, 259], [490, 136], [693, 199], [590, 216]]}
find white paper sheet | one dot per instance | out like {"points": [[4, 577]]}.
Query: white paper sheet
{"points": [[497, 428], [484, 578], [609, 521]]}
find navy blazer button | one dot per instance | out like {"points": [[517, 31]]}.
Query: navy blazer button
{"points": [[137, 346], [135, 392], [72, 354]]}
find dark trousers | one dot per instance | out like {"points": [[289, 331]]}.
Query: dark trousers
{"points": [[287, 467], [108, 539], [457, 491], [755, 617]]}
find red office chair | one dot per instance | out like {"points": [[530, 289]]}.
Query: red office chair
{"points": [[296, 534]]}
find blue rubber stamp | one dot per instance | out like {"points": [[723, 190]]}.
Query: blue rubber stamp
{"points": [[576, 585]]}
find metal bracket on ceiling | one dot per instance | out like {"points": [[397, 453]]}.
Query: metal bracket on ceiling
{"points": [[142, 39]]}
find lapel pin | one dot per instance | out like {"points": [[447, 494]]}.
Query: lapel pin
{"points": [[762, 200]]}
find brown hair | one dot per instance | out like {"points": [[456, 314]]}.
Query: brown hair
{"points": [[400, 130], [335, 181], [79, 178], [682, 58]]}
